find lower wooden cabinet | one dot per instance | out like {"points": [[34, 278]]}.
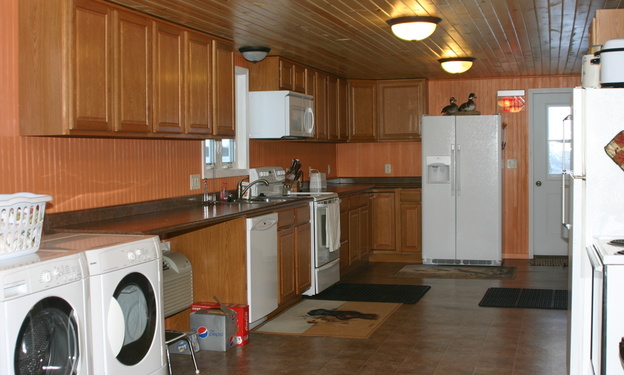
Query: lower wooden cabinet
{"points": [[294, 246], [397, 225], [355, 230]]}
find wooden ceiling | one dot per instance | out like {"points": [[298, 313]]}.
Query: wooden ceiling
{"points": [[351, 38]]}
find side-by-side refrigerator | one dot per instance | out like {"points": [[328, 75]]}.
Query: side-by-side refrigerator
{"points": [[462, 190]]}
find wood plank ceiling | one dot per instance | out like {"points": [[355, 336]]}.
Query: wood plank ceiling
{"points": [[351, 38]]}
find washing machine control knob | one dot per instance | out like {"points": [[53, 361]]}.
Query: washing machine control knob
{"points": [[45, 277], [131, 256]]}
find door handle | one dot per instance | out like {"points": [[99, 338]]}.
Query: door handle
{"points": [[538, 183]]}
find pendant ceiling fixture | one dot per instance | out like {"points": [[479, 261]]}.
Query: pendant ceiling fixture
{"points": [[413, 27], [254, 54], [456, 65]]}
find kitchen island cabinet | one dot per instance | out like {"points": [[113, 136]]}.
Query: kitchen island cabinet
{"points": [[114, 72], [355, 231]]}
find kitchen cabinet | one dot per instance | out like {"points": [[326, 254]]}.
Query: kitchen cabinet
{"points": [[294, 252], [277, 73], [119, 73], [337, 127], [355, 231], [608, 24], [397, 224], [401, 104], [321, 103], [362, 110]]}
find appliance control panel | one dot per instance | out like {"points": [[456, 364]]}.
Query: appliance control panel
{"points": [[273, 175]]}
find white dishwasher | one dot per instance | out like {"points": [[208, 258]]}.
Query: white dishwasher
{"points": [[262, 282]]}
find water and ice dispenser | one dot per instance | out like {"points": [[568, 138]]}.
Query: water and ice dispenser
{"points": [[438, 169]]}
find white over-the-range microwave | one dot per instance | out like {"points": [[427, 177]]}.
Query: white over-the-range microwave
{"points": [[280, 114]]}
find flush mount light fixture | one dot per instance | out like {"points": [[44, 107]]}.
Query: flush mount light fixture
{"points": [[456, 65], [413, 27], [254, 54]]}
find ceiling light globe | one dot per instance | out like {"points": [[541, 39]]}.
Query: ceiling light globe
{"points": [[457, 65], [413, 28]]}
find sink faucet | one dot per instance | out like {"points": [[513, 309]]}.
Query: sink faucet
{"points": [[242, 191]]}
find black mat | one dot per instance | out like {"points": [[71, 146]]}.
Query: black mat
{"points": [[526, 298], [373, 293]]}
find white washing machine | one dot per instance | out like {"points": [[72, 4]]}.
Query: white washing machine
{"points": [[44, 314], [126, 305]]}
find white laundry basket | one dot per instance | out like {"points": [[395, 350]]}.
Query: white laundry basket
{"points": [[21, 223]]}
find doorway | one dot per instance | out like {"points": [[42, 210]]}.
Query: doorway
{"points": [[548, 108]]}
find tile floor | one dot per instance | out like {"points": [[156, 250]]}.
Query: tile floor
{"points": [[445, 333]]}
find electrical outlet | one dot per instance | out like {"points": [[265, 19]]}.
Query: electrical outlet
{"points": [[195, 182], [388, 168], [328, 168], [512, 163]]}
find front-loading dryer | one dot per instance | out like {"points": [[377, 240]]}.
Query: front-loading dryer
{"points": [[44, 314], [125, 287]]}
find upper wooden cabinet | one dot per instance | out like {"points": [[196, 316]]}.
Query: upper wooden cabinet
{"points": [[386, 110], [277, 73], [400, 105], [362, 110], [113, 72], [337, 128], [608, 24]]}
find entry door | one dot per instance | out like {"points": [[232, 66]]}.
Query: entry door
{"points": [[548, 111]]}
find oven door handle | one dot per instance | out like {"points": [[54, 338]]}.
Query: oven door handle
{"points": [[594, 260]]}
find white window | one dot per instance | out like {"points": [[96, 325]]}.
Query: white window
{"points": [[230, 157], [558, 140]]}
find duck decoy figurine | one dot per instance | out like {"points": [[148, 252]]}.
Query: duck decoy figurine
{"points": [[470, 105], [450, 109]]}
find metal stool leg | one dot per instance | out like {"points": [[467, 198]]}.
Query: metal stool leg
{"points": [[188, 340], [176, 336]]}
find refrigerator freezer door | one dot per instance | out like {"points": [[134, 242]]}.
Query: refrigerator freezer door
{"points": [[438, 204], [478, 170]]}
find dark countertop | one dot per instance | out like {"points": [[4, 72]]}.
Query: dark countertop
{"points": [[170, 217]]}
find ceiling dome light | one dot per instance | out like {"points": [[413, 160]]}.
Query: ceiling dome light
{"points": [[254, 54], [413, 27], [456, 65]]}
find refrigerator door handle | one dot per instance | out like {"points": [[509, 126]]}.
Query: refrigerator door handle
{"points": [[452, 170], [564, 204], [457, 170]]}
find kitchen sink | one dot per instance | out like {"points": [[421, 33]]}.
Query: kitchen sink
{"points": [[260, 200]]}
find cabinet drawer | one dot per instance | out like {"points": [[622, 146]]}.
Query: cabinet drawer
{"points": [[410, 195], [286, 218], [302, 215]]}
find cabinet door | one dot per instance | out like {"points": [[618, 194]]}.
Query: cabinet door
{"points": [[411, 228], [362, 110], [321, 105], [303, 238], [344, 234], [168, 79], [286, 260], [365, 233], [400, 107], [332, 107], [92, 68], [132, 71], [223, 88], [343, 107], [198, 103], [299, 79], [286, 75], [354, 236], [384, 221]]}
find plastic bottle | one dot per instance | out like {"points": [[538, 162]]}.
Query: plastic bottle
{"points": [[224, 192]]}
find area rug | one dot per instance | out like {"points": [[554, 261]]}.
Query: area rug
{"points": [[390, 293], [549, 261], [330, 319], [556, 299], [456, 272]]}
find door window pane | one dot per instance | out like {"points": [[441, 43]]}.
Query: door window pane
{"points": [[558, 139]]}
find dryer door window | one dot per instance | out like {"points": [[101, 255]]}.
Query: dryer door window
{"points": [[48, 340], [132, 319]]}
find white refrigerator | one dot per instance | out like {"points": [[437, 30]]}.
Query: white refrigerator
{"points": [[462, 190], [596, 203]]}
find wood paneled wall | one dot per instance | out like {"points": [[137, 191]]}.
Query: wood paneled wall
{"points": [[515, 181], [369, 159], [280, 153]]}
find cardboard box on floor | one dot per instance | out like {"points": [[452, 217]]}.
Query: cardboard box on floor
{"points": [[215, 327], [242, 318]]}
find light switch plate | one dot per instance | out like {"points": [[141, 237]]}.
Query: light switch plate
{"points": [[388, 168], [512, 163]]}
